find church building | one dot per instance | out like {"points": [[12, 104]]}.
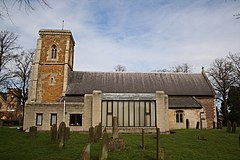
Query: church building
{"points": [[139, 100]]}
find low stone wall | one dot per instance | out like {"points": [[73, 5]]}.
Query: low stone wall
{"points": [[51, 108]]}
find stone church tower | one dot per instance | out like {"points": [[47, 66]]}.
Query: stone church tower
{"points": [[51, 66]]}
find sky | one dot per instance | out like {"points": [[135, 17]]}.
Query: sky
{"points": [[142, 35]]}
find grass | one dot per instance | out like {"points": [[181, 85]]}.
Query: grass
{"points": [[182, 145]]}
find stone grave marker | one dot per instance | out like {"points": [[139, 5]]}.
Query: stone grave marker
{"points": [[54, 133], [86, 152], [115, 128], [104, 146], [33, 131]]}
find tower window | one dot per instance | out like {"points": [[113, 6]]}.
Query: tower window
{"points": [[54, 52]]}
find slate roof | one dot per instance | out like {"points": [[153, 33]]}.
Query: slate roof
{"points": [[183, 102], [178, 84]]}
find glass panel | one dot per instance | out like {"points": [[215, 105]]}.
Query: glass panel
{"points": [[147, 120], [109, 120], [177, 118], [104, 113], [53, 119], [125, 105], [115, 104], [147, 107], [109, 106], [39, 120], [137, 112], [131, 113], [153, 107], [120, 113], [142, 113]]}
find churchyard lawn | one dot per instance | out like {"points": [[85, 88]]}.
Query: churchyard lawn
{"points": [[182, 145]]}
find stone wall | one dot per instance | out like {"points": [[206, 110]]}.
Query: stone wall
{"points": [[209, 105], [52, 108], [193, 116]]}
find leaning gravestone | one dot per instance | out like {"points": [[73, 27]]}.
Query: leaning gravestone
{"points": [[104, 147], [61, 135], [54, 133], [86, 152], [98, 132], [33, 131]]}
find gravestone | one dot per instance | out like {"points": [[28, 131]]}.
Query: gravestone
{"points": [[33, 131], [98, 132], [86, 152], [91, 135], [61, 135], [229, 127], [143, 139], [54, 133], [115, 128], [234, 127], [104, 146]]}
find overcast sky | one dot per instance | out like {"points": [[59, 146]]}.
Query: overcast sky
{"points": [[142, 35]]}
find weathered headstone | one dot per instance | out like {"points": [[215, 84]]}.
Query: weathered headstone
{"points": [[104, 147], [33, 131], [86, 152], [115, 128], [98, 132], [54, 133], [229, 127], [61, 135], [143, 139], [234, 127], [91, 135]]}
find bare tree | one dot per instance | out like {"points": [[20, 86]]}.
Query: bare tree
{"points": [[8, 45], [221, 73], [120, 68], [235, 59], [26, 4], [184, 68], [22, 72]]}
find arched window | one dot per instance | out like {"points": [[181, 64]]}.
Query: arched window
{"points": [[54, 52], [179, 116]]}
